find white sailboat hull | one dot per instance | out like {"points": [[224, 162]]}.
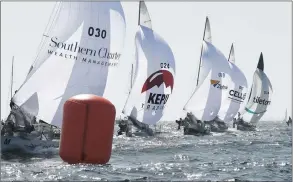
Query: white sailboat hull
{"points": [[18, 143]]}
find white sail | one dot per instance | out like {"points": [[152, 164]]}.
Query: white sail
{"points": [[234, 101], [83, 47], [231, 58], [260, 95], [154, 77], [206, 100], [208, 38], [207, 31], [143, 16], [286, 116]]}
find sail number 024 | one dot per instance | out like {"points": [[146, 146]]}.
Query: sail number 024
{"points": [[97, 32], [165, 65]]}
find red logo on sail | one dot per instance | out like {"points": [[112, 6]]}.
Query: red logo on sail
{"points": [[157, 79]]}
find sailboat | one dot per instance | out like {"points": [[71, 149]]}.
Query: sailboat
{"points": [[123, 123], [234, 101], [258, 101], [81, 48], [154, 74], [211, 84], [287, 120]]}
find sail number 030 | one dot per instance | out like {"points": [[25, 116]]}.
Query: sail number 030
{"points": [[165, 65], [97, 32]]}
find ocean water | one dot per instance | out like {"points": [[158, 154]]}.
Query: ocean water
{"points": [[263, 155]]}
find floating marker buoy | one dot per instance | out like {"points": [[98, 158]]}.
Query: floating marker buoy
{"points": [[87, 130]]}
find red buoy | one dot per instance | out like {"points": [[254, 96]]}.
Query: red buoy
{"points": [[87, 130]]}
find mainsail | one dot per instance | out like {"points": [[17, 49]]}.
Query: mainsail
{"points": [[154, 75], [234, 101], [286, 116], [212, 81], [143, 16], [207, 36], [81, 48], [260, 95]]}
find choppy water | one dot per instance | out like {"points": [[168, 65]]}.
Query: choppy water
{"points": [[264, 155]]}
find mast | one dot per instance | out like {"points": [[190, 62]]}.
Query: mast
{"points": [[131, 74], [207, 20], [139, 12], [131, 77], [11, 81]]}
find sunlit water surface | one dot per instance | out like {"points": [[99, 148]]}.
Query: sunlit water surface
{"points": [[263, 155]]}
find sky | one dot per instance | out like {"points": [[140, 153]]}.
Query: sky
{"points": [[253, 27]]}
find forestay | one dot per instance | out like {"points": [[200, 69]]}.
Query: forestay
{"points": [[206, 100], [81, 47], [260, 95], [154, 80], [234, 101]]}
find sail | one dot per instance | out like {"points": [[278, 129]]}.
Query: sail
{"points": [[260, 95], [143, 16], [285, 119], [83, 48], [232, 55], [234, 101], [208, 38], [206, 100], [154, 80], [207, 31]]}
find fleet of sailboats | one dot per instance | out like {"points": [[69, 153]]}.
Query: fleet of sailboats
{"points": [[82, 46]]}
